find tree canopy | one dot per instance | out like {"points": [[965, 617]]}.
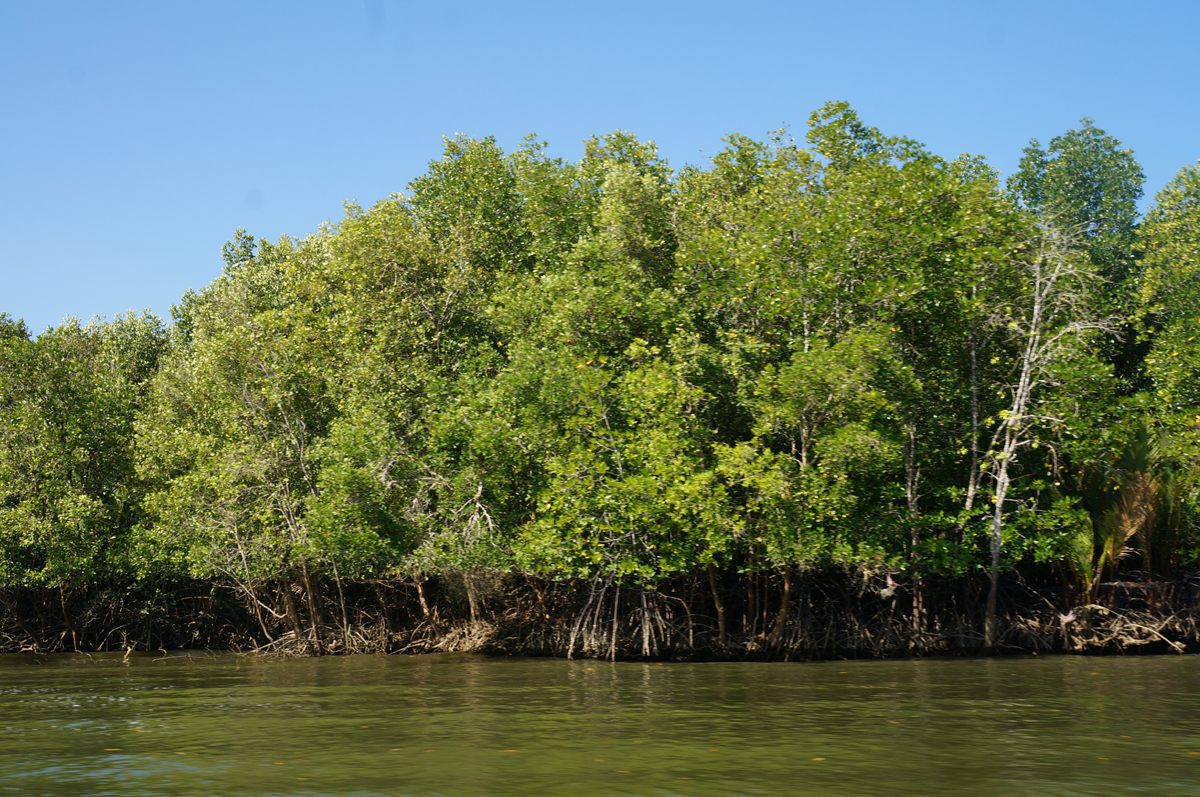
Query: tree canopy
{"points": [[854, 355]]}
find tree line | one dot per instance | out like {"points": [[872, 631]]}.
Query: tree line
{"points": [[846, 354]]}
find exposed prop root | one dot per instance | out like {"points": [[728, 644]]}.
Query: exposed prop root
{"points": [[826, 615]]}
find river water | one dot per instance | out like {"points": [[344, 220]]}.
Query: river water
{"points": [[468, 725]]}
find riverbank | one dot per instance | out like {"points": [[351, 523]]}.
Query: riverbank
{"points": [[826, 616], [724, 616], [833, 618]]}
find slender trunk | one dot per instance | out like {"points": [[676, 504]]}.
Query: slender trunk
{"points": [[254, 604], [912, 471], [991, 627], [429, 618], [749, 624], [43, 623], [764, 602], [293, 615], [472, 600], [583, 615], [1011, 428], [342, 601], [688, 607], [918, 619], [664, 635], [593, 638], [912, 476], [719, 603], [975, 473], [645, 625], [66, 613], [314, 610], [782, 618], [612, 643]]}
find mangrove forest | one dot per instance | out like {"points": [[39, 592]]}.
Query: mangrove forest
{"points": [[830, 397]]}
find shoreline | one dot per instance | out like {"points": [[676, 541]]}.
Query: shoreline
{"points": [[828, 615]]}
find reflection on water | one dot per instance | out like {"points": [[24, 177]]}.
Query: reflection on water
{"points": [[465, 725]]}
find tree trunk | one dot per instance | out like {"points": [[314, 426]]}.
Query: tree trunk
{"points": [[289, 602], [719, 603], [66, 613], [1057, 292], [429, 618], [612, 643], [342, 602], [784, 609], [975, 472], [912, 470], [749, 624], [472, 599], [688, 607], [919, 624], [645, 625], [314, 607], [990, 623], [254, 604]]}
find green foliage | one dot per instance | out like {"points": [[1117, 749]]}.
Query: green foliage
{"points": [[69, 497], [1168, 292], [1086, 178], [836, 356]]}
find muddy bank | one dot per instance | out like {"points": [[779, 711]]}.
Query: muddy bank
{"points": [[716, 616]]}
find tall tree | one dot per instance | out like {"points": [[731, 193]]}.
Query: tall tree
{"points": [[1051, 319]]}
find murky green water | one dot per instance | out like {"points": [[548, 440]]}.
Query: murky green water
{"points": [[460, 725]]}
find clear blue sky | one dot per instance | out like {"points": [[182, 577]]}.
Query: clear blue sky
{"points": [[135, 137]]}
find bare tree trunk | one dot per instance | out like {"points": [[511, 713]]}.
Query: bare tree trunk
{"points": [[314, 606], [785, 607], [719, 603], [750, 617], [912, 476], [66, 613], [592, 598], [645, 625], [429, 618], [342, 601], [919, 624], [764, 603], [289, 602], [912, 471], [1057, 320], [996, 540], [254, 604], [612, 644], [976, 473], [688, 607], [472, 600]]}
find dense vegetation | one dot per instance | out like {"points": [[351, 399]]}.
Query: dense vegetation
{"points": [[853, 356]]}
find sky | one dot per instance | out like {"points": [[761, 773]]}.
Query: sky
{"points": [[136, 137]]}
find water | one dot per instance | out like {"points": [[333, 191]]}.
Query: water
{"points": [[466, 725]]}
